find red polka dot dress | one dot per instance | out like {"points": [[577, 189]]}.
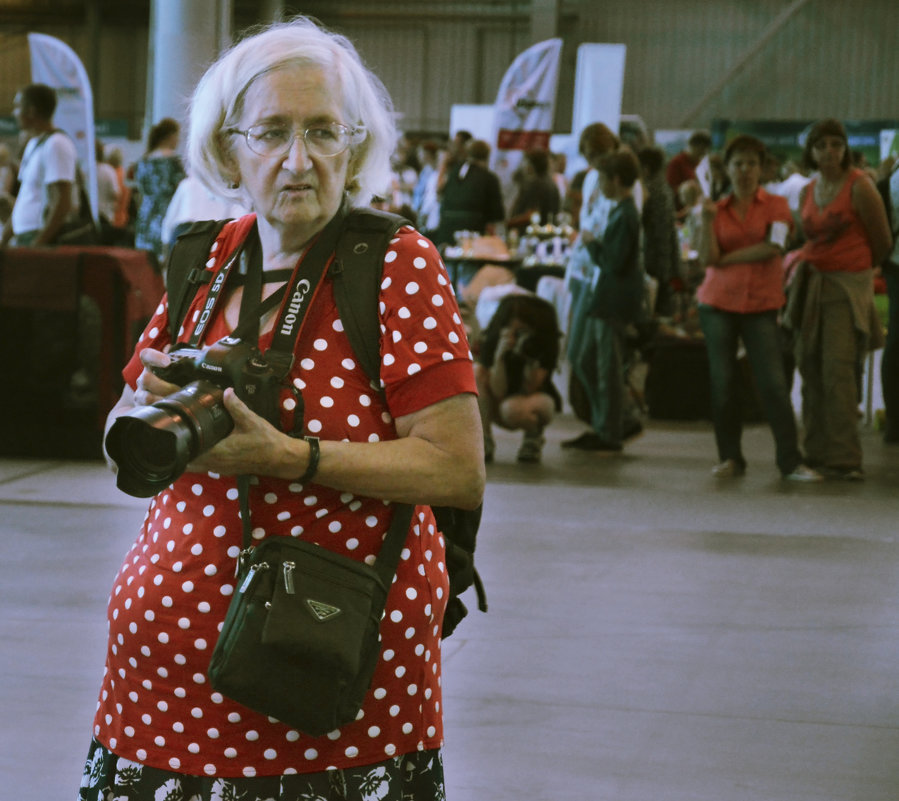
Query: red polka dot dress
{"points": [[172, 592]]}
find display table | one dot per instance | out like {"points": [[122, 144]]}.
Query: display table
{"points": [[54, 299]]}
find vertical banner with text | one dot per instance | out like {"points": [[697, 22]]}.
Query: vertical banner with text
{"points": [[525, 108], [55, 64]]}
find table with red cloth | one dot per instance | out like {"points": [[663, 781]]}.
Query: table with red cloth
{"points": [[47, 283]]}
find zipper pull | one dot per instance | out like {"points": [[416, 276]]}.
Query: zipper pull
{"points": [[288, 577], [251, 574]]}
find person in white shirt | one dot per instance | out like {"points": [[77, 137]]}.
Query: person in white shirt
{"points": [[46, 175]]}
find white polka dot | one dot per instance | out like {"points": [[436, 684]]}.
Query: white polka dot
{"points": [[373, 731], [159, 740], [289, 404], [183, 623], [187, 586], [270, 753], [419, 262], [327, 401], [352, 752], [388, 359], [353, 420], [403, 313], [412, 287], [380, 693], [310, 754], [230, 753], [437, 300], [413, 369], [197, 489], [337, 382], [194, 748], [396, 616], [390, 749], [407, 728], [314, 426], [307, 364], [348, 364], [320, 344], [252, 735], [352, 543], [209, 769], [420, 347], [430, 323]]}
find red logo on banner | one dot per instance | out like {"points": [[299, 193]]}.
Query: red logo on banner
{"points": [[522, 140]]}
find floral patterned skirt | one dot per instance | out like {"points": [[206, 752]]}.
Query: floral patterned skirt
{"points": [[409, 777]]}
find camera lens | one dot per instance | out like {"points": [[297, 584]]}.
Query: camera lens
{"points": [[152, 445]]}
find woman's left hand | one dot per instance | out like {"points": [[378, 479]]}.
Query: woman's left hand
{"points": [[253, 446]]}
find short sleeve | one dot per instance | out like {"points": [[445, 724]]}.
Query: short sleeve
{"points": [[425, 354], [155, 335], [59, 159]]}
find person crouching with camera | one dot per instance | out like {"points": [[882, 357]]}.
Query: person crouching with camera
{"points": [[517, 355], [291, 123]]}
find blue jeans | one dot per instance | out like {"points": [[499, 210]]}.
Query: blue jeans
{"points": [[759, 333]]}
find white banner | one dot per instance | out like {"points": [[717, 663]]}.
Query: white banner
{"points": [[55, 64], [525, 107]]}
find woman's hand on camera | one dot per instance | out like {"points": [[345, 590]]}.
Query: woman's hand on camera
{"points": [[150, 387], [253, 446]]}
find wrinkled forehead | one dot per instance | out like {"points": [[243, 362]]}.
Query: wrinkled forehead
{"points": [[324, 73]]}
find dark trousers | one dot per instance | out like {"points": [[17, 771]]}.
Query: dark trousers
{"points": [[889, 365], [759, 332]]}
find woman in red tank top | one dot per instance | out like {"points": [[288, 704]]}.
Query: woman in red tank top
{"points": [[847, 233]]}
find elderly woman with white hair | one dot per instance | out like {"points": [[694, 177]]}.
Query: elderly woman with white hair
{"points": [[291, 124]]}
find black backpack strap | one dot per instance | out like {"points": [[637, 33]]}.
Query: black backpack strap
{"points": [[185, 269], [356, 277]]}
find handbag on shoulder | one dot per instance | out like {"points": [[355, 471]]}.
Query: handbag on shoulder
{"points": [[301, 639]]}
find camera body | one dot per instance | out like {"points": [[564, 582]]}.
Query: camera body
{"points": [[527, 343], [230, 362], [152, 445]]}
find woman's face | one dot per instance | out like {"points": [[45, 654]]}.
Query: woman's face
{"points": [[829, 152], [744, 169], [297, 193]]}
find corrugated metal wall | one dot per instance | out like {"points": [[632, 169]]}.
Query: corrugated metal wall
{"points": [[830, 58]]}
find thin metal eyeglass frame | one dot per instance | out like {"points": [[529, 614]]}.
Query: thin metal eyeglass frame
{"points": [[350, 134]]}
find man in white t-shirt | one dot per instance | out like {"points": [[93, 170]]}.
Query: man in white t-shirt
{"points": [[46, 172]]}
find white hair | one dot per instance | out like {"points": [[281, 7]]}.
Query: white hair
{"points": [[218, 103]]}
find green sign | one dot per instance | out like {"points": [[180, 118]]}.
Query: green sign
{"points": [[786, 138]]}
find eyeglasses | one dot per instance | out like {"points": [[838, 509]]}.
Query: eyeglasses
{"points": [[330, 139]]}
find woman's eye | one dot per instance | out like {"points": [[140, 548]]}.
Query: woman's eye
{"points": [[271, 134], [321, 134]]}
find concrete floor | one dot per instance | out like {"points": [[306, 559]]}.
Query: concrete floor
{"points": [[652, 635]]}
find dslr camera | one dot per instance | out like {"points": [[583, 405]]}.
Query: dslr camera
{"points": [[152, 445]]}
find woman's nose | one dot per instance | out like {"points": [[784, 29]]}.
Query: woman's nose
{"points": [[297, 157]]}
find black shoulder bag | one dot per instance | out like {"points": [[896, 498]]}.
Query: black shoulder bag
{"points": [[301, 640]]}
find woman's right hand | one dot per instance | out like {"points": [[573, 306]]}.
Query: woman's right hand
{"points": [[709, 209], [150, 387]]}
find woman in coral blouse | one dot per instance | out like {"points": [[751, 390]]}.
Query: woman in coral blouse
{"points": [[847, 233], [741, 241]]}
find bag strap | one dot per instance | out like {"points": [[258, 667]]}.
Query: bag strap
{"points": [[356, 278], [185, 269]]}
